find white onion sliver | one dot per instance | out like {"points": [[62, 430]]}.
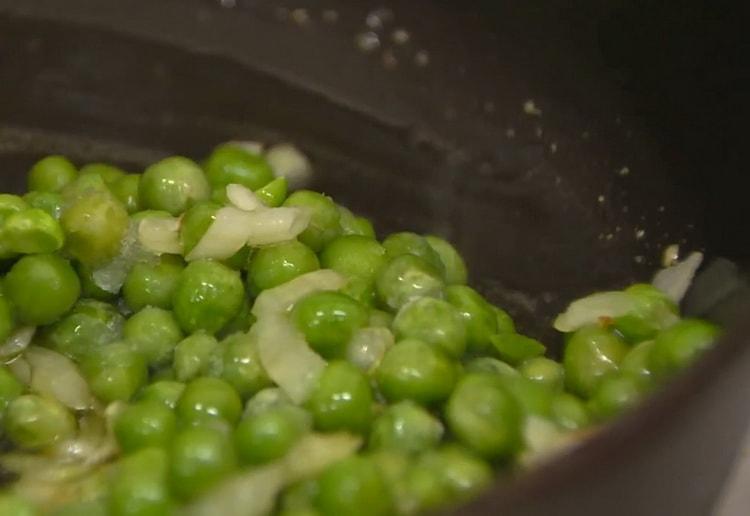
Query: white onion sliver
{"points": [[16, 343], [274, 225], [367, 347], [287, 161], [543, 439], [160, 235], [243, 198], [674, 281], [249, 146], [225, 236], [57, 376], [111, 277], [314, 452], [21, 369], [278, 300], [590, 309]]}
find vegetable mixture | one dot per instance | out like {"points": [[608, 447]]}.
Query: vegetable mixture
{"points": [[198, 340]]}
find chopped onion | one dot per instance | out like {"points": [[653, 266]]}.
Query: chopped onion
{"points": [[16, 343], [243, 198], [265, 400], [287, 161], [111, 277], [314, 452], [160, 235], [274, 225], [278, 300], [57, 376], [590, 309], [543, 439], [367, 347], [225, 236], [674, 281], [21, 369], [248, 146]]}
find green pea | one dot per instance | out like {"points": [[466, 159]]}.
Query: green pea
{"points": [[229, 164], [7, 319], [614, 395], [407, 427], [13, 505], [490, 365], [83, 186], [533, 397], [196, 221], [242, 368], [89, 287], [207, 297], [274, 265], [328, 320], [166, 392], [504, 321], [126, 189], [140, 486], [210, 397], [416, 371], [484, 416], [405, 278], [590, 354], [479, 316], [453, 263], [324, 223], [274, 192], [10, 204], [173, 184], [42, 287], [399, 244], [32, 231], [239, 260], [653, 308], [33, 422], [110, 174], [354, 256], [241, 323], [569, 412], [10, 389], [544, 371], [515, 348], [114, 372], [89, 326], [270, 435], [433, 321], [298, 499], [353, 225], [200, 458], [342, 400], [94, 226], [380, 319], [636, 362], [144, 424], [51, 174], [153, 333], [678, 346], [193, 355], [50, 202], [152, 284], [353, 486]]}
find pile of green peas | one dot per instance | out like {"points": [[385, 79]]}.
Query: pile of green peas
{"points": [[440, 414]]}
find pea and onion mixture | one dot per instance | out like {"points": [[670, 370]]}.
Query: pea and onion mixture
{"points": [[201, 339]]}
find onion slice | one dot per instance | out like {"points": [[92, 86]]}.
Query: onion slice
{"points": [[674, 281], [57, 376], [225, 236], [288, 161], [243, 198], [16, 343], [314, 452], [160, 235], [279, 300], [590, 309], [275, 225]]}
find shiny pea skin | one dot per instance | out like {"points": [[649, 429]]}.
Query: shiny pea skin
{"points": [[152, 284], [211, 397], [678, 346], [407, 277], [229, 164], [274, 265], [242, 367], [140, 486], [193, 356], [353, 486], [479, 317], [342, 400], [166, 392], [153, 333], [325, 218], [144, 424], [173, 184], [433, 321], [454, 265], [269, 436], [544, 371], [590, 354], [398, 244], [114, 372], [34, 422], [89, 326], [407, 427], [200, 458], [52, 174]]}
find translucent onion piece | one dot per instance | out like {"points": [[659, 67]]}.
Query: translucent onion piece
{"points": [[544, 440], [590, 309], [367, 347], [248, 146], [111, 277], [225, 236], [287, 161], [243, 198], [315, 452], [265, 400], [275, 225], [279, 300], [57, 376], [674, 281], [20, 369], [160, 235], [16, 343]]}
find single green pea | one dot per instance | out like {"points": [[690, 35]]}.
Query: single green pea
{"points": [[11, 203], [50, 202], [193, 355], [10, 389], [89, 326], [229, 164], [166, 392], [342, 400], [504, 321], [144, 424], [353, 225], [32, 231], [153, 333], [490, 365], [328, 320], [207, 297], [42, 287], [114, 372], [196, 221], [140, 486], [94, 226], [380, 319], [678, 346], [636, 362], [515, 348], [453, 263], [89, 287], [274, 265], [484, 416], [399, 244], [33, 422], [173, 184], [110, 174], [405, 278], [210, 397], [242, 368], [653, 310], [7, 319], [51, 174], [270, 435], [406, 426], [126, 189], [590, 354], [614, 395], [433, 321], [545, 371], [273, 193], [153, 284], [533, 397], [200, 458], [324, 223], [14, 505], [354, 256], [416, 371], [569, 412], [353, 486], [479, 316]]}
